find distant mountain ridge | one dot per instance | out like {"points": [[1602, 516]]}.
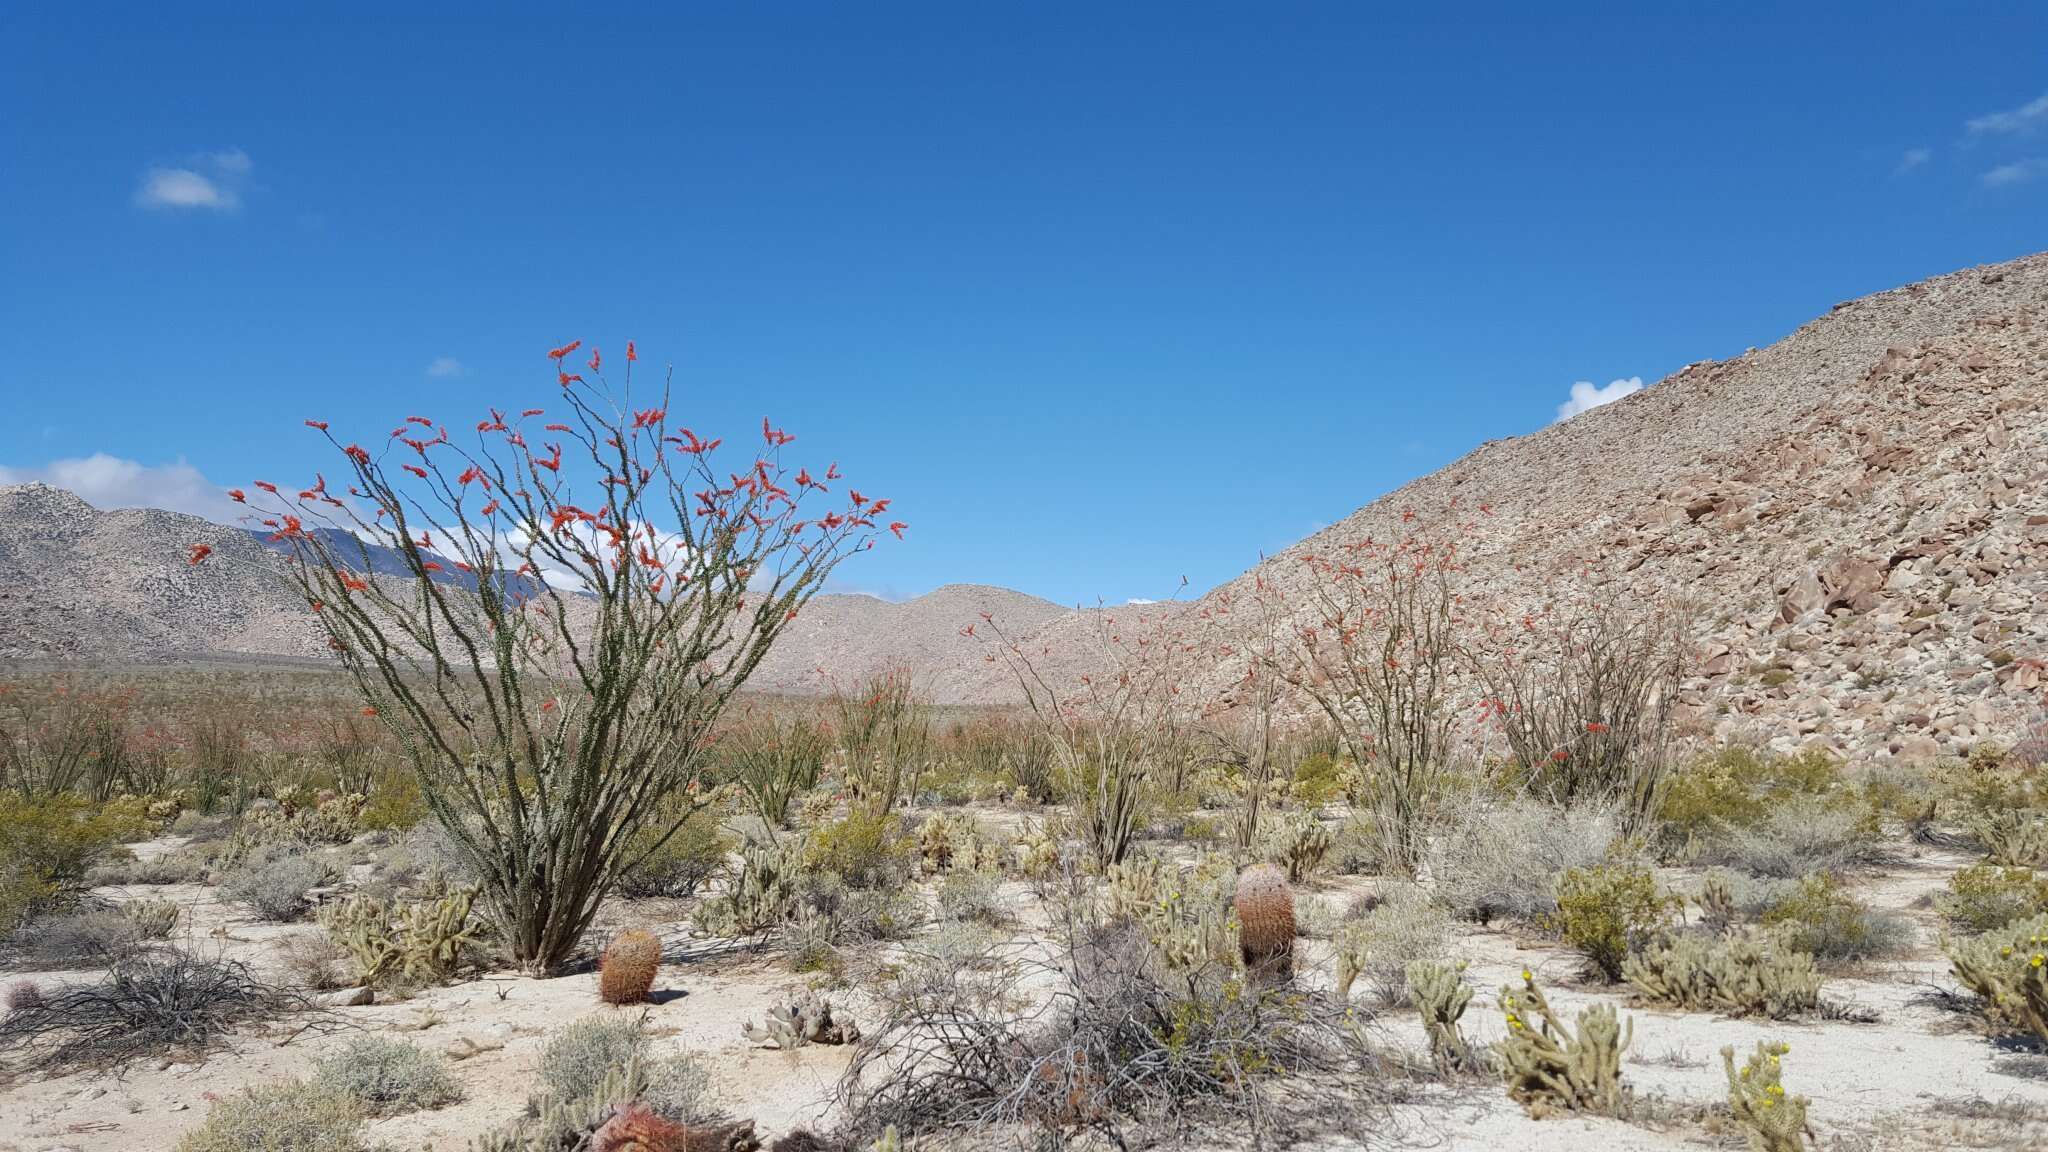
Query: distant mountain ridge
{"points": [[1860, 512]]}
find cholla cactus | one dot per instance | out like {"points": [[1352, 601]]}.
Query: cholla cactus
{"points": [[1551, 1068], [424, 944], [2015, 836], [1748, 974], [762, 896], [808, 1021], [938, 841], [1134, 888], [1265, 917], [1352, 944], [153, 919], [1442, 996], [626, 970], [1300, 845], [1717, 902], [1773, 1121], [2008, 969]]}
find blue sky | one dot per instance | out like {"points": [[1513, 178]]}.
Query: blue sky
{"points": [[1101, 295]]}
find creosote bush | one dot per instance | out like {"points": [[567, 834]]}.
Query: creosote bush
{"points": [[1610, 911], [1983, 897], [1819, 918], [47, 846]]}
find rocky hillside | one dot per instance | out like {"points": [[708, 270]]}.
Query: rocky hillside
{"points": [[1859, 513]]}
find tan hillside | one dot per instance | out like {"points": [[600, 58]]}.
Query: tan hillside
{"points": [[1860, 509]]}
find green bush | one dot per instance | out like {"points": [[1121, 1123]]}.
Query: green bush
{"points": [[679, 866], [1609, 911], [1319, 779], [394, 805], [1984, 896], [287, 1116], [388, 1076], [867, 850], [1737, 788], [47, 847], [1821, 919]]}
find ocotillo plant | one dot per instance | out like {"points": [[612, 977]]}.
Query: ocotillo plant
{"points": [[615, 590]]}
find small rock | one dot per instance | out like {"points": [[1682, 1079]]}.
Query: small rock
{"points": [[349, 998]]}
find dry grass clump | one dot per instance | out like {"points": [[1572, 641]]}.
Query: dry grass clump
{"points": [[286, 1116], [387, 1076], [1381, 942], [578, 1059], [1497, 860], [149, 1004], [276, 882], [1127, 1043]]}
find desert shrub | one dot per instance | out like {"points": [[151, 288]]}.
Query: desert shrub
{"points": [[1552, 1068], [974, 896], [286, 1116], [1728, 898], [575, 1062], [153, 919], [88, 939], [1319, 778], [1405, 927], [119, 867], [150, 1004], [1608, 911], [884, 740], [1745, 974], [1360, 848], [864, 849], [1798, 836], [394, 804], [1738, 787], [421, 859], [2007, 968], [47, 847], [276, 882], [1502, 860], [1771, 1120], [387, 1076], [679, 865], [1819, 918], [316, 961], [960, 1045], [202, 828], [1983, 897]]}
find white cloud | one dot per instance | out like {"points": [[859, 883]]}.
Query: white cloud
{"points": [[105, 481], [2018, 172], [1586, 397], [211, 183], [1913, 158], [2025, 118], [447, 367], [1140, 600]]}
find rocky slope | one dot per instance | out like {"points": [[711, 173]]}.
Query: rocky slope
{"points": [[1858, 514]]}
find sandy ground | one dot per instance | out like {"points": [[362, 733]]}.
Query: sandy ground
{"points": [[1920, 1077]]}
